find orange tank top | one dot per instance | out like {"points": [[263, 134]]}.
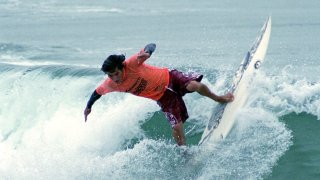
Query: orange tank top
{"points": [[138, 79]]}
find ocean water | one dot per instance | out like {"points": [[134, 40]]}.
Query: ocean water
{"points": [[50, 54]]}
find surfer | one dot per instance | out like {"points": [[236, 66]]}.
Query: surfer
{"points": [[166, 87]]}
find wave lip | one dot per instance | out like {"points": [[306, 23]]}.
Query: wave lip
{"points": [[37, 70]]}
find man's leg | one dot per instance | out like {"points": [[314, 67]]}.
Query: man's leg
{"points": [[203, 90], [178, 134]]}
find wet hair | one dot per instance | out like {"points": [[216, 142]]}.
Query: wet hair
{"points": [[112, 62]]}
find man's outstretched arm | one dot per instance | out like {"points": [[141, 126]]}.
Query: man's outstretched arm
{"points": [[146, 52], [94, 96]]}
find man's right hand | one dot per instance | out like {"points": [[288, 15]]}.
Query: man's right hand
{"points": [[226, 98], [87, 111]]}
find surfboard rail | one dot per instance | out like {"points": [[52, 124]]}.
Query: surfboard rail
{"points": [[223, 117]]}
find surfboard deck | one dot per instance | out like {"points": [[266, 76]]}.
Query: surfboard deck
{"points": [[223, 116]]}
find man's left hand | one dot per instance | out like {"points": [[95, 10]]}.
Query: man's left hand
{"points": [[142, 56]]}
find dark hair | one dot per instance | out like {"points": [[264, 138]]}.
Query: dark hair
{"points": [[112, 62]]}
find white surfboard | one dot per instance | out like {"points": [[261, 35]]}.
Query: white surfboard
{"points": [[223, 116]]}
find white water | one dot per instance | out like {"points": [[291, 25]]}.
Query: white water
{"points": [[43, 134]]}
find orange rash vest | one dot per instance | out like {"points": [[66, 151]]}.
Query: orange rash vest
{"points": [[138, 79]]}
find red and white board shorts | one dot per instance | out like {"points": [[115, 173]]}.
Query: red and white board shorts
{"points": [[171, 101]]}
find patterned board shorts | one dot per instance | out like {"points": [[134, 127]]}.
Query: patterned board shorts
{"points": [[171, 102]]}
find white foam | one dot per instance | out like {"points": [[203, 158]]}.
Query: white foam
{"points": [[251, 150], [44, 135], [285, 93]]}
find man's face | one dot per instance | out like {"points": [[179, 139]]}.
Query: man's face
{"points": [[115, 76]]}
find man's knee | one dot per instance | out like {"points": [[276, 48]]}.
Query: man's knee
{"points": [[193, 86]]}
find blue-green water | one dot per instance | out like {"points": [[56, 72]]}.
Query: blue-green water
{"points": [[50, 54]]}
